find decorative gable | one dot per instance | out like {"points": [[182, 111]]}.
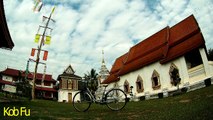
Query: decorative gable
{"points": [[68, 80], [69, 70]]}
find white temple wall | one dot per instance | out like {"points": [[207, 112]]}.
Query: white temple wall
{"points": [[188, 77]]}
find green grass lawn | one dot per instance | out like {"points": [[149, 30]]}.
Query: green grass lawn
{"points": [[196, 105]]}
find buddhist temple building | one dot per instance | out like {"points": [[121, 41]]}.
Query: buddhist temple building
{"points": [[154, 65]]}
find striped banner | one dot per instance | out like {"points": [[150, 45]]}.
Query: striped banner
{"points": [[33, 52], [45, 55]]}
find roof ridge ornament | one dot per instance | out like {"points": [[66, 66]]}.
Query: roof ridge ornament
{"points": [[69, 70]]}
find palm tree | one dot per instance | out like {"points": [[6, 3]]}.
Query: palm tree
{"points": [[92, 81]]}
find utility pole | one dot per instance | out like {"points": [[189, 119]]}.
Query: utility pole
{"points": [[39, 51]]}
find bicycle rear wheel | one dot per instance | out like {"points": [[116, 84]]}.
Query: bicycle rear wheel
{"points": [[116, 99], [82, 101]]}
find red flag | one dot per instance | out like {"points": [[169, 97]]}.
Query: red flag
{"points": [[45, 55], [33, 52]]}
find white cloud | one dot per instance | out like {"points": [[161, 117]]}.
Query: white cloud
{"points": [[84, 27]]}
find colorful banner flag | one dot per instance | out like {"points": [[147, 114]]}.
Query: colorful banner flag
{"points": [[38, 6], [53, 10], [33, 52], [37, 38], [45, 55], [48, 39]]}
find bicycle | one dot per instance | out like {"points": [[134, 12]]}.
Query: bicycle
{"points": [[115, 99]]}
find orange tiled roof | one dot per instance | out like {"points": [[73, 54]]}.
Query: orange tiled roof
{"points": [[111, 78], [183, 37], [115, 69], [164, 46], [146, 52], [118, 63]]}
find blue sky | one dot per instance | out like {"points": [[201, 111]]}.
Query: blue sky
{"points": [[84, 28]]}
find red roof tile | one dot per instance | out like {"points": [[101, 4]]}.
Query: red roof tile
{"points": [[186, 46], [15, 73], [164, 46], [39, 77], [11, 72], [46, 78], [7, 82], [46, 89], [115, 69], [183, 30], [111, 78], [148, 45], [142, 61], [118, 63], [146, 52]]}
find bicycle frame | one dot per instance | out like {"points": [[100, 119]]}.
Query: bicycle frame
{"points": [[94, 100], [115, 99]]}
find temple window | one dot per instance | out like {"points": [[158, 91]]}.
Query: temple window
{"points": [[139, 84], [155, 80], [126, 87], [174, 75], [193, 59]]}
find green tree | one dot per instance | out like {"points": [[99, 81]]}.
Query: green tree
{"points": [[210, 54], [92, 81], [23, 86]]}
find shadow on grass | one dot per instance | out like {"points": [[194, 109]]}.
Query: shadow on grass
{"points": [[196, 105]]}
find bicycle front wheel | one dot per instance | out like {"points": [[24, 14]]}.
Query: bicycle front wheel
{"points": [[82, 101], [116, 99]]}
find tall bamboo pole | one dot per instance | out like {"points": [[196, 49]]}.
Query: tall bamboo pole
{"points": [[38, 54]]}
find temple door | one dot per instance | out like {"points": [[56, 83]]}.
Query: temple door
{"points": [[69, 97]]}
